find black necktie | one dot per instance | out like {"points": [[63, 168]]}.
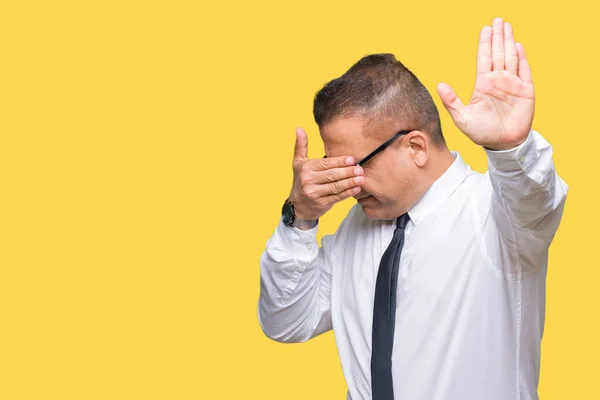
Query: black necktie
{"points": [[384, 315]]}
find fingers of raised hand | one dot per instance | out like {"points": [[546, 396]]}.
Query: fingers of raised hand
{"points": [[524, 70], [498, 44], [511, 61], [484, 51], [498, 51]]}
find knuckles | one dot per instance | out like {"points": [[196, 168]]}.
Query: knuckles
{"points": [[322, 203], [311, 194], [323, 164], [304, 180], [335, 188], [305, 167], [306, 191], [331, 175]]}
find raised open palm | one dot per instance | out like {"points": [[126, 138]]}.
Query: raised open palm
{"points": [[500, 112]]}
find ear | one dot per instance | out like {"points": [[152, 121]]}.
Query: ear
{"points": [[418, 144]]}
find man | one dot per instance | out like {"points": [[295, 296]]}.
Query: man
{"points": [[434, 283]]}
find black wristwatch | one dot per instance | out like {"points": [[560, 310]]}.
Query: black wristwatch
{"points": [[289, 217]]}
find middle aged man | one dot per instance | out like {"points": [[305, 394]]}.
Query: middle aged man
{"points": [[434, 283]]}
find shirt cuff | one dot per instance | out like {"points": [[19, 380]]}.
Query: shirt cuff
{"points": [[517, 158], [297, 244]]}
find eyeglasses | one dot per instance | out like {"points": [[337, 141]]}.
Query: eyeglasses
{"points": [[379, 149]]}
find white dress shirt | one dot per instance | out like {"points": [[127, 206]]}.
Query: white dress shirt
{"points": [[471, 284]]}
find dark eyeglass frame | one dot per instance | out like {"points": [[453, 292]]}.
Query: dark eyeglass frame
{"points": [[380, 148]]}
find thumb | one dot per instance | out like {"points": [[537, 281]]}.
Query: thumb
{"points": [[301, 148], [451, 102]]}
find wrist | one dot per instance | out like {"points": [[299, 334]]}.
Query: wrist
{"points": [[290, 218], [505, 147], [305, 224]]}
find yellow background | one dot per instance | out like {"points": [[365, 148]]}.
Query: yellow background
{"points": [[145, 153]]}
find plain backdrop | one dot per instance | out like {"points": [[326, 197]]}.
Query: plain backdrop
{"points": [[145, 153]]}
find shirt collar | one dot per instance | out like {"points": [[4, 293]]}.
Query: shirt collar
{"points": [[440, 190]]}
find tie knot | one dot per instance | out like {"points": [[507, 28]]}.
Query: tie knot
{"points": [[402, 221]]}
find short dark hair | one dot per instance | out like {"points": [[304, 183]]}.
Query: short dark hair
{"points": [[379, 85]]}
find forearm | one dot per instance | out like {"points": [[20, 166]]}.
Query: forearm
{"points": [[528, 194], [295, 286]]}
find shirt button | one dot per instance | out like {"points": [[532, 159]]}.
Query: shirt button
{"points": [[309, 246], [522, 158]]}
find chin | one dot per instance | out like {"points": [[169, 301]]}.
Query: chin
{"points": [[375, 213]]}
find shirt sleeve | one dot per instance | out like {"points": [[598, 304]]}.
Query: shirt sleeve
{"points": [[528, 197], [295, 285]]}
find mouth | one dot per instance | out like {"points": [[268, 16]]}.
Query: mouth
{"points": [[363, 199]]}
